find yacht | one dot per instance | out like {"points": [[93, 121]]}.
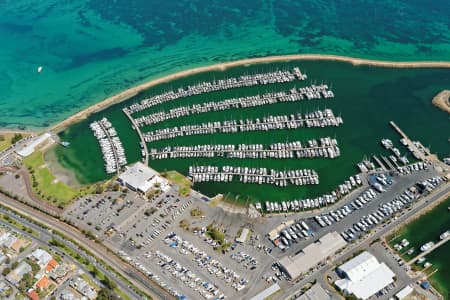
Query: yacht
{"points": [[426, 246], [420, 260], [387, 143], [444, 235]]}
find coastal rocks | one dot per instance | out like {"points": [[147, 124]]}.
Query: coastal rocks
{"points": [[442, 100]]}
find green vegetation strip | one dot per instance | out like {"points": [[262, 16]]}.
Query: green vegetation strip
{"points": [[219, 237], [47, 187], [22, 227], [180, 180]]}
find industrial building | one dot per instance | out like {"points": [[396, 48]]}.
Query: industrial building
{"points": [[363, 276], [29, 149], [311, 255], [317, 292], [140, 178], [405, 292], [267, 292], [243, 236]]}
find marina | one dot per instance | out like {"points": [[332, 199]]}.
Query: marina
{"points": [[253, 175], [110, 144], [317, 118], [357, 93], [309, 92], [220, 85], [324, 147]]}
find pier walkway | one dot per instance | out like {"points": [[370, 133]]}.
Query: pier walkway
{"points": [[114, 150], [435, 246], [411, 145], [379, 163], [316, 119], [299, 152], [309, 93], [390, 165], [139, 132]]}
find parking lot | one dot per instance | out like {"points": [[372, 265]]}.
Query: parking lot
{"points": [[167, 242]]}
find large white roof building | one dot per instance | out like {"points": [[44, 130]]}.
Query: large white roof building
{"points": [[329, 244], [141, 178], [364, 276]]}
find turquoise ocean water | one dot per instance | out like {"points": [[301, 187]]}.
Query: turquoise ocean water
{"points": [[90, 50]]}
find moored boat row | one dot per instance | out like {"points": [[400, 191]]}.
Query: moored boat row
{"points": [[110, 144], [218, 85], [312, 203], [253, 175], [309, 93], [324, 147], [317, 118]]}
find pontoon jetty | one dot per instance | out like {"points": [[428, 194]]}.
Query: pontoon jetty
{"points": [[324, 147], [309, 93], [110, 144], [219, 85], [253, 175], [317, 118]]}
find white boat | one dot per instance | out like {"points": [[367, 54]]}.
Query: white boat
{"points": [[426, 246], [444, 235], [39, 69], [420, 260], [387, 143]]}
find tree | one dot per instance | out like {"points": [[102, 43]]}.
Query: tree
{"points": [[106, 294], [108, 283], [6, 271], [17, 137], [95, 272], [99, 189], [116, 187]]}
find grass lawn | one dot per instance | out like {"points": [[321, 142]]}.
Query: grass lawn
{"points": [[180, 180], [46, 186]]}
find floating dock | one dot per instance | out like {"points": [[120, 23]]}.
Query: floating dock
{"points": [[324, 147], [219, 85], [253, 175], [310, 93], [317, 118]]}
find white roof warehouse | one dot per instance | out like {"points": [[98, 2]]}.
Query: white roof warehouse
{"points": [[138, 177], [294, 266], [364, 276]]}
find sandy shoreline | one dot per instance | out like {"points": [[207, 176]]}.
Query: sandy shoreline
{"points": [[442, 100], [124, 95]]}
